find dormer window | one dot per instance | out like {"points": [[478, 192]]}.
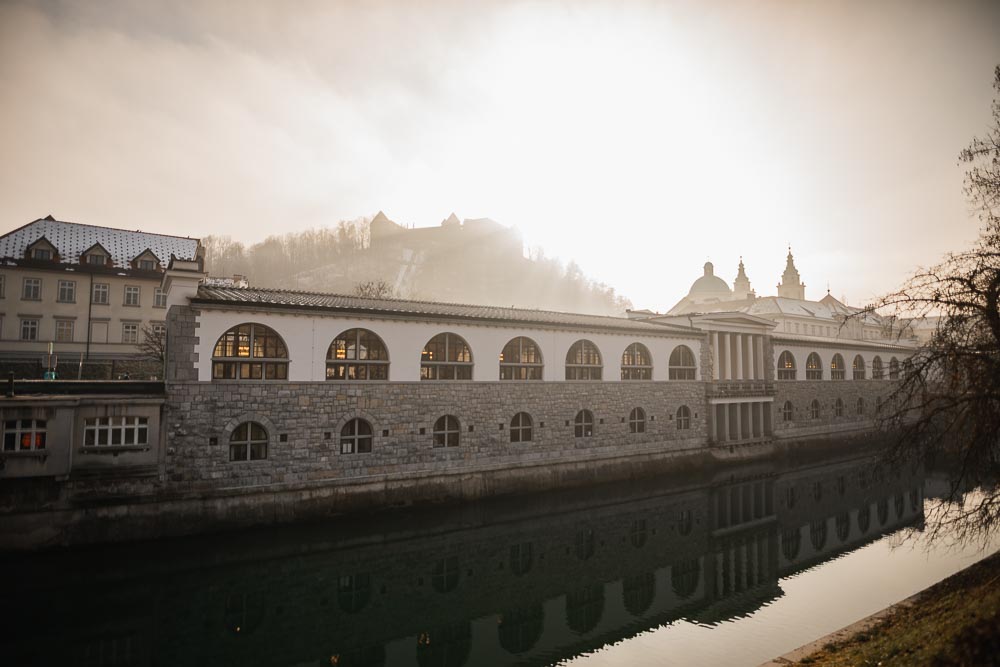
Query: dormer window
{"points": [[41, 253], [95, 259], [147, 265]]}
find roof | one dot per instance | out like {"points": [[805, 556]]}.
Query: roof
{"points": [[829, 341], [780, 305], [72, 238], [290, 299]]}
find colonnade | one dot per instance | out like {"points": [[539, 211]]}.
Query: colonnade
{"points": [[744, 564], [737, 356], [741, 419]]}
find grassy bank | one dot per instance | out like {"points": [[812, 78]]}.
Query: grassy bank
{"points": [[955, 622]]}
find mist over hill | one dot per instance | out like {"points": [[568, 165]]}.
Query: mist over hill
{"points": [[472, 261]]}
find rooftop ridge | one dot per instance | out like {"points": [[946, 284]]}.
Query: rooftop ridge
{"points": [[116, 229]]}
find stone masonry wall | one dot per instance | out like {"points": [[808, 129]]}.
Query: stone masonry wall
{"points": [[802, 392], [304, 422]]}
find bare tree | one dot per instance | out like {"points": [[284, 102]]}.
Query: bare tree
{"points": [[375, 289], [946, 405], [153, 343]]}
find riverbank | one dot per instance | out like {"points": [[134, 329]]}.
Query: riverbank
{"points": [[954, 622]]}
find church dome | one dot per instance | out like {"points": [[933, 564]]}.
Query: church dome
{"points": [[710, 286]]}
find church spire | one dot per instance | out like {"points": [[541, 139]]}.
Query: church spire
{"points": [[791, 286], [741, 286]]}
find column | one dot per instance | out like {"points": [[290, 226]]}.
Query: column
{"points": [[760, 357], [734, 421], [725, 422], [752, 351], [768, 411], [738, 375], [744, 421], [724, 356], [715, 356]]}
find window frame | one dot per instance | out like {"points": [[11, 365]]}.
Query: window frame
{"points": [[878, 370], [340, 369], [814, 409], [838, 369], [858, 372], [637, 420], [431, 369], [35, 289], [66, 291], [676, 369], [250, 448], [249, 368], [159, 298], [447, 432], [129, 291], [130, 333], [64, 324], [353, 440], [103, 289], [577, 367], [521, 424], [631, 369], [36, 431], [583, 424], [814, 366], [32, 324], [683, 418], [527, 370], [787, 412], [107, 427], [786, 372]]}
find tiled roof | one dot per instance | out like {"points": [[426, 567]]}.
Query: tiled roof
{"points": [[272, 298], [71, 239], [829, 341]]}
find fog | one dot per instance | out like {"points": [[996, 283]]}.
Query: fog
{"points": [[637, 140]]}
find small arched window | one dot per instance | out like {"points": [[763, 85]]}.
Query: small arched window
{"points": [[858, 367], [838, 408], [583, 361], [583, 425], [446, 357], [837, 368], [814, 367], [861, 405], [520, 427], [248, 442], [877, 372], [637, 421], [814, 409], [356, 437], [521, 359], [787, 413], [250, 352], [682, 365], [894, 369], [636, 363], [786, 366], [683, 418], [357, 354], [447, 431]]}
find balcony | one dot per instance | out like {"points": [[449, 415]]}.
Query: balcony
{"points": [[739, 389]]}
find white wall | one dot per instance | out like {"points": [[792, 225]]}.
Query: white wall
{"points": [[308, 337]]}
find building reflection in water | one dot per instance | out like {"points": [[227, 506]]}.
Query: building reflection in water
{"points": [[526, 583]]}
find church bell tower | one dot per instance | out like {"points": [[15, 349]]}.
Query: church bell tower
{"points": [[790, 286]]}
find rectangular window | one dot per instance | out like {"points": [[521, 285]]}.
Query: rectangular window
{"points": [[67, 291], [32, 290], [159, 298], [23, 434], [102, 293], [159, 329], [147, 264], [130, 333], [64, 331], [116, 431], [96, 259], [131, 295], [41, 253], [29, 329]]}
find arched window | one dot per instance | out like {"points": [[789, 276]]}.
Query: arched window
{"points": [[521, 359], [843, 526], [683, 418], [248, 442], [787, 413], [583, 361], [894, 369], [446, 357], [814, 409], [638, 593], [446, 431], [684, 577], [356, 437], [250, 352], [520, 427], [858, 366], [583, 425], [837, 368], [636, 363], [838, 408], [877, 372], [786, 366], [357, 354], [584, 608], [682, 365], [814, 367], [861, 405], [637, 421]]}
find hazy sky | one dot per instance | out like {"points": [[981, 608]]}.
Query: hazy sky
{"points": [[638, 139]]}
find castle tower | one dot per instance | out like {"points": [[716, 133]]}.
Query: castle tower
{"points": [[741, 286], [790, 286]]}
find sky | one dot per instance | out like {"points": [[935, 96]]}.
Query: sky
{"points": [[637, 139]]}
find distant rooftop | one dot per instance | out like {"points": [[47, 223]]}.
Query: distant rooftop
{"points": [[72, 238], [291, 299]]}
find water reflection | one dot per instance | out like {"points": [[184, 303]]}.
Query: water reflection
{"points": [[513, 584]]}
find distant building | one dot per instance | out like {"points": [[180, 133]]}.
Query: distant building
{"points": [[87, 290]]}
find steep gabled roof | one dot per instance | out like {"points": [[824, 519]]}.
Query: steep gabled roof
{"points": [[72, 239]]}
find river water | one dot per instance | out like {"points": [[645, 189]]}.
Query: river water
{"points": [[726, 567]]}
